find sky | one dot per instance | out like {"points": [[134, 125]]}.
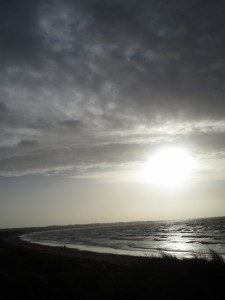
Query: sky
{"points": [[90, 90]]}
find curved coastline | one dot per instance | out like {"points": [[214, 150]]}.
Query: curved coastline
{"points": [[181, 239], [36, 271], [12, 237], [87, 248]]}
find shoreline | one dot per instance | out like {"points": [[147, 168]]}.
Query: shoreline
{"points": [[185, 253], [88, 252], [34, 271], [93, 249], [17, 241]]}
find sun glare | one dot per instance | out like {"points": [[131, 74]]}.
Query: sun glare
{"points": [[168, 167]]}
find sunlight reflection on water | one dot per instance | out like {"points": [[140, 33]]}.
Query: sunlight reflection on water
{"points": [[179, 238]]}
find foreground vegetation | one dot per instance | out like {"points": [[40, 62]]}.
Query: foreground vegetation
{"points": [[33, 273]]}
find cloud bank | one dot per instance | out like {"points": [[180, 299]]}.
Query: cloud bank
{"points": [[91, 83]]}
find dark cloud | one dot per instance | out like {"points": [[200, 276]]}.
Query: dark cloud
{"points": [[3, 107], [40, 160], [19, 37], [27, 143], [127, 69], [71, 124]]}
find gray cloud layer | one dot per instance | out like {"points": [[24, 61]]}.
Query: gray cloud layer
{"points": [[91, 82]]}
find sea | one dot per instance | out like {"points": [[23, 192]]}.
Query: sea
{"points": [[183, 239]]}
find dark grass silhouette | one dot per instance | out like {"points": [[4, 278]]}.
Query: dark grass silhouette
{"points": [[37, 272]]}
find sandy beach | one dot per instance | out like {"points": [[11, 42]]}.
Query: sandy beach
{"points": [[32, 271], [15, 240]]}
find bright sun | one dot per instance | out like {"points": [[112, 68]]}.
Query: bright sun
{"points": [[169, 167]]}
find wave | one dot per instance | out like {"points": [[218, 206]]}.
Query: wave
{"points": [[183, 238]]}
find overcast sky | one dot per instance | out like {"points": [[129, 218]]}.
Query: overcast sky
{"points": [[89, 89]]}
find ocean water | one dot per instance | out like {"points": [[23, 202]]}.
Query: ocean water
{"points": [[180, 238]]}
